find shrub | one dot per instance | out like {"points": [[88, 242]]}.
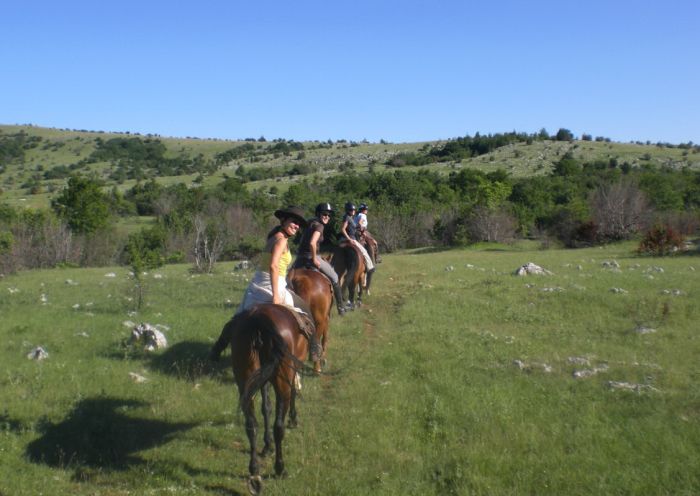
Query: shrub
{"points": [[661, 240], [492, 225], [619, 210]]}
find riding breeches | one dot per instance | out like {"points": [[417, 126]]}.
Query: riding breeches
{"points": [[365, 255]]}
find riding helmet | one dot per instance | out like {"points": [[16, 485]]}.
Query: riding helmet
{"points": [[323, 208], [349, 206], [363, 206]]}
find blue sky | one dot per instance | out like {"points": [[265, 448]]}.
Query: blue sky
{"points": [[403, 71]]}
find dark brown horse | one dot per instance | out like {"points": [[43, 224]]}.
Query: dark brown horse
{"points": [[268, 347], [349, 264], [316, 290]]}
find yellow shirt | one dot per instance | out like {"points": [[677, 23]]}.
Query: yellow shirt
{"points": [[285, 260]]}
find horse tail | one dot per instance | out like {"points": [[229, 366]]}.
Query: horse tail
{"points": [[271, 349], [351, 261]]}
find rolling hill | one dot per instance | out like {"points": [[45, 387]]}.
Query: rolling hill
{"points": [[35, 161]]}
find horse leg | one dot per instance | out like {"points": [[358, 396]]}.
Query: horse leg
{"points": [[251, 430], [351, 284], [368, 281], [324, 344], [267, 413], [293, 410], [283, 390]]}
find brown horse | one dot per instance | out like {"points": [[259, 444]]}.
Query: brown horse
{"points": [[268, 346], [349, 264], [316, 290]]}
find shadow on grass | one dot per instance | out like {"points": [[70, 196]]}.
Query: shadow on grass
{"points": [[187, 360], [223, 490], [98, 433]]}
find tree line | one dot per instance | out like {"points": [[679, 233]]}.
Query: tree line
{"points": [[577, 204]]}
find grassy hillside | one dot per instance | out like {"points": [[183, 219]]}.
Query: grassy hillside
{"points": [[23, 182], [456, 377]]}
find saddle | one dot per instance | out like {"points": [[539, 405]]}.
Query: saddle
{"points": [[307, 327]]}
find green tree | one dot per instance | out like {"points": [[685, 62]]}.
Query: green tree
{"points": [[564, 135], [83, 205]]}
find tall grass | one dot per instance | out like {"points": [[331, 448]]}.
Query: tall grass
{"points": [[456, 377]]}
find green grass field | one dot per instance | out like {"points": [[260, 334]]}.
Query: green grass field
{"points": [[456, 377]]}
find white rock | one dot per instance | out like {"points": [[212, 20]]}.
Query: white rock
{"points": [[578, 360], [150, 336], [531, 269], [582, 374], [110, 274], [38, 353], [644, 330], [242, 265], [137, 378], [628, 386]]}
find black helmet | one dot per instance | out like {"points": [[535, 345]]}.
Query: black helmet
{"points": [[349, 206], [323, 208], [363, 206]]}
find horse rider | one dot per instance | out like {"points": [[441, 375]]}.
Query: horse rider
{"points": [[309, 248], [349, 231], [364, 235], [269, 284]]}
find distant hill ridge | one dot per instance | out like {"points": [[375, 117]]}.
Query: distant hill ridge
{"points": [[35, 161]]}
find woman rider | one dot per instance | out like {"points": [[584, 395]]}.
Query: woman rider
{"points": [[308, 252], [349, 231], [269, 283]]}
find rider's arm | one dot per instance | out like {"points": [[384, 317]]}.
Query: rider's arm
{"points": [[313, 245], [343, 230]]}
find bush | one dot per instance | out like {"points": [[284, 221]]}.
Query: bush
{"points": [[492, 225], [661, 240]]}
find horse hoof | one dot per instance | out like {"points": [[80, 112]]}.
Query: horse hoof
{"points": [[255, 485]]}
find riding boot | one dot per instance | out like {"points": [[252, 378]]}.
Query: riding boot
{"points": [[339, 298]]}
